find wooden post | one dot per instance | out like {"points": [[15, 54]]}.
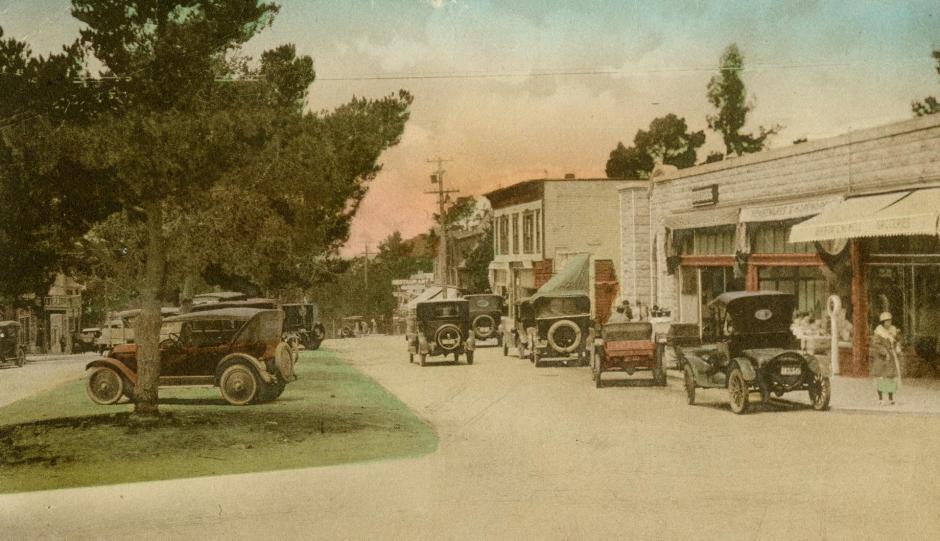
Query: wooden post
{"points": [[859, 311]]}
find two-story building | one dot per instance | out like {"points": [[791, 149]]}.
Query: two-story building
{"points": [[539, 224], [855, 216]]}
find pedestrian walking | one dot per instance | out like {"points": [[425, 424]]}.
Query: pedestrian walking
{"points": [[884, 359]]}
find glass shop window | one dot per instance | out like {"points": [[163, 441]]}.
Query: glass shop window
{"points": [[772, 239], [807, 283]]}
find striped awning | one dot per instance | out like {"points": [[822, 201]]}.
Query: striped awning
{"points": [[909, 212]]}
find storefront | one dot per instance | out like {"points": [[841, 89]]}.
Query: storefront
{"points": [[896, 266], [852, 218]]}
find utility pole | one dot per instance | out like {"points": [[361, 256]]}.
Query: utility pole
{"points": [[366, 255], [438, 178]]}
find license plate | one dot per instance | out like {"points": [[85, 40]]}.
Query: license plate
{"points": [[790, 371]]}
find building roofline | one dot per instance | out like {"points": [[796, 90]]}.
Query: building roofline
{"points": [[850, 138], [537, 180]]}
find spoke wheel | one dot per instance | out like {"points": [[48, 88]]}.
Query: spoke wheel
{"points": [[238, 384], [820, 391], [688, 380], [104, 386], [737, 391]]}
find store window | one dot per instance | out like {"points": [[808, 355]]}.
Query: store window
{"points": [[504, 234], [708, 241], [496, 237], [808, 284], [528, 232], [772, 239], [538, 231], [515, 233]]}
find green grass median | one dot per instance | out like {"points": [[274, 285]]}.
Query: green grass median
{"points": [[332, 414]]}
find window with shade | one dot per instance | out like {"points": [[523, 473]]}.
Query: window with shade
{"points": [[528, 232], [538, 231], [504, 235], [515, 233], [772, 239]]}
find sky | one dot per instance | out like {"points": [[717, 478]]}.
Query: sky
{"points": [[523, 89]]}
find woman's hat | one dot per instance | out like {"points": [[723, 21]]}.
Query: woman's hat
{"points": [[885, 316]]}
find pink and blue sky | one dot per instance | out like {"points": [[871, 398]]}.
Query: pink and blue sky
{"points": [[523, 89]]}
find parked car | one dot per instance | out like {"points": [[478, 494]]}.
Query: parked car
{"points": [[120, 328], [301, 322], [239, 350], [753, 350], [515, 334], [86, 340], [12, 343], [563, 328], [486, 315], [441, 327], [629, 346], [354, 326]]}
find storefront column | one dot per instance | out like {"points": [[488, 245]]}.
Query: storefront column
{"points": [[859, 311], [751, 282]]}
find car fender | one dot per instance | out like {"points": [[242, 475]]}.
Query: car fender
{"points": [[747, 369], [233, 358], [120, 367], [698, 365], [820, 368]]}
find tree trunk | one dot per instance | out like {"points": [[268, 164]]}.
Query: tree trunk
{"points": [[148, 324], [186, 295]]}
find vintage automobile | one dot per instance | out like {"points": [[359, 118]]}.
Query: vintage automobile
{"points": [[753, 350], [354, 326], [629, 346], [486, 314], [120, 328], [516, 335], [563, 328], [85, 340], [439, 328], [12, 343], [239, 350], [301, 322]]}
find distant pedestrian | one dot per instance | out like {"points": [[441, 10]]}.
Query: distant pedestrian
{"points": [[884, 359], [62, 344], [375, 327]]}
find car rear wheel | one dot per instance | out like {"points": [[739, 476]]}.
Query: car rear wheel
{"points": [[819, 393], [105, 386], [737, 391], [238, 384], [688, 381]]}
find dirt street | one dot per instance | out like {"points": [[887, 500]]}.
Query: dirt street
{"points": [[541, 453], [39, 375]]}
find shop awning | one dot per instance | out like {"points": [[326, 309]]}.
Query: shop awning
{"points": [[911, 212], [787, 211], [702, 218]]}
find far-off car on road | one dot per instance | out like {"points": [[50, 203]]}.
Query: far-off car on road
{"points": [[516, 336], [440, 328], [12, 343], [753, 350], [486, 314], [629, 346], [238, 350]]}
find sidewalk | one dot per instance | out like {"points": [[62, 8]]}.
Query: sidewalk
{"points": [[37, 357]]}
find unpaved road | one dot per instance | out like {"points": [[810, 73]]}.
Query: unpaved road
{"points": [[531, 453], [39, 375]]}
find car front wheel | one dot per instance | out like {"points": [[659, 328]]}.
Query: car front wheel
{"points": [[238, 384], [105, 386], [819, 393], [688, 380], [737, 391]]}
